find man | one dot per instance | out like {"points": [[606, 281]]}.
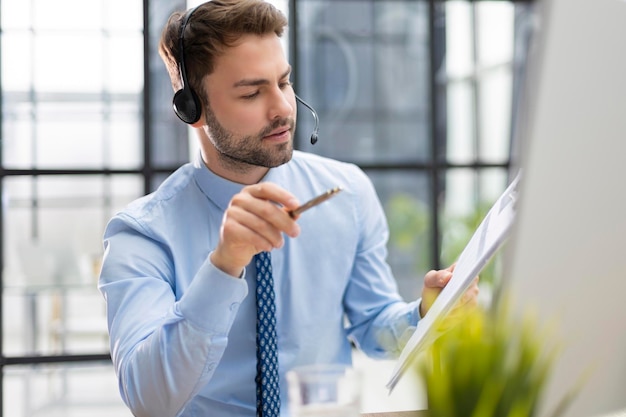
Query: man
{"points": [[178, 276]]}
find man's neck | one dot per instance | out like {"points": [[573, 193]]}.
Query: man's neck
{"points": [[232, 169]]}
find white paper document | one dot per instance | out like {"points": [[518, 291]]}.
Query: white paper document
{"points": [[487, 239]]}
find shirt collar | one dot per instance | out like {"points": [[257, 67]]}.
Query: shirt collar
{"points": [[220, 190], [217, 189]]}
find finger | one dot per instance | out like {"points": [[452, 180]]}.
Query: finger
{"points": [[270, 204], [437, 278], [246, 226], [242, 235], [272, 192], [469, 299], [470, 296], [434, 281]]}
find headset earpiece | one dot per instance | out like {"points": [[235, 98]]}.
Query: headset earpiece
{"points": [[187, 105]]}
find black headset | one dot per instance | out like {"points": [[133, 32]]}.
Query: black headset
{"points": [[186, 103]]}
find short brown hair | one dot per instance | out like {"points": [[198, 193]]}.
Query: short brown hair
{"points": [[213, 27]]}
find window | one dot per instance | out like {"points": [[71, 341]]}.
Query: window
{"points": [[420, 94], [72, 153]]}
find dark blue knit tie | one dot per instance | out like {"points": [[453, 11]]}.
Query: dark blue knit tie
{"points": [[267, 386]]}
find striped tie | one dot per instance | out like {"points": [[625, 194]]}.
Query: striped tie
{"points": [[267, 386]]}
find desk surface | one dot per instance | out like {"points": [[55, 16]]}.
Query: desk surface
{"points": [[420, 413]]}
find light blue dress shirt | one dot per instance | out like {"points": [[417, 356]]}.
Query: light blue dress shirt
{"points": [[182, 332]]}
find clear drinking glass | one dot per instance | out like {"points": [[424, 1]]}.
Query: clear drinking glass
{"points": [[324, 391]]}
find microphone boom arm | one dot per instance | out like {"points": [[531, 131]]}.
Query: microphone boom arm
{"points": [[317, 120]]}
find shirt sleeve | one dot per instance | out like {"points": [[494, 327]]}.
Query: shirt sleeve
{"points": [[164, 348], [379, 320]]}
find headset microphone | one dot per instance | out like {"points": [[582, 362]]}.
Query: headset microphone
{"points": [[317, 120]]}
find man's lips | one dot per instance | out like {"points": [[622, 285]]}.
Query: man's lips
{"points": [[278, 133]]}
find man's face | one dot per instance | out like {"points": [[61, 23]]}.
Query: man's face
{"points": [[252, 111]]}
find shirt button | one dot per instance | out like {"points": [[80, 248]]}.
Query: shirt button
{"points": [[234, 306], [211, 366]]}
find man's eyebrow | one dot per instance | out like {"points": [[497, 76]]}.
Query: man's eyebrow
{"points": [[258, 81]]}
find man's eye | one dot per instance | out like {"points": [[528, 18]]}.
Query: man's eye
{"points": [[250, 96], [285, 84]]}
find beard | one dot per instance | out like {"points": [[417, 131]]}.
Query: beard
{"points": [[242, 153]]}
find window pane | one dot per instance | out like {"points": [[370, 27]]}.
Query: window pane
{"points": [[495, 41], [461, 143], [55, 319], [124, 64], [406, 200], [495, 29], [459, 39], [365, 66], [479, 68], [76, 67], [123, 15], [469, 195], [53, 246], [71, 87], [62, 14], [169, 137], [495, 92], [66, 390], [16, 14], [16, 47]]}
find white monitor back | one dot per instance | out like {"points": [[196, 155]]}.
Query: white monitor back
{"points": [[567, 253]]}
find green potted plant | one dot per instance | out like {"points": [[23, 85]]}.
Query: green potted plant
{"points": [[488, 363]]}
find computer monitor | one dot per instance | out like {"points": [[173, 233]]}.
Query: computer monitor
{"points": [[566, 257]]}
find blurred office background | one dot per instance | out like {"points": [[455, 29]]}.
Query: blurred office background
{"points": [[422, 94]]}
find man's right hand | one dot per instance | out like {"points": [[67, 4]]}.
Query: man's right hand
{"points": [[254, 221]]}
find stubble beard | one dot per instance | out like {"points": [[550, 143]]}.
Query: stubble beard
{"points": [[244, 153]]}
